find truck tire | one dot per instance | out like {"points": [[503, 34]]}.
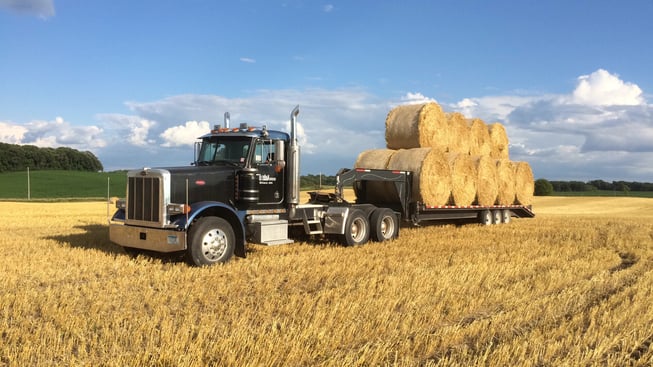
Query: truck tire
{"points": [[357, 229], [485, 217], [385, 225], [506, 216], [212, 241], [497, 217]]}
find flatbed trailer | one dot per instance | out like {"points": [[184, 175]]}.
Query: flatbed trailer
{"points": [[409, 210]]}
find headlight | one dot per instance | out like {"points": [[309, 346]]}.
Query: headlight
{"points": [[175, 209], [121, 204]]}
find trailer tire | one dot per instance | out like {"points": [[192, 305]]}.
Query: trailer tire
{"points": [[212, 241], [497, 216], [385, 225], [357, 229], [506, 216], [485, 217]]}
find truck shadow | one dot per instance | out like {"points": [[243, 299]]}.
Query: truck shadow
{"points": [[94, 236]]}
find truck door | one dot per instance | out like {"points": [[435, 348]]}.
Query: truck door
{"points": [[270, 181]]}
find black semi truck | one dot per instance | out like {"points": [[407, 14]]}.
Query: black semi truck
{"points": [[243, 186]]}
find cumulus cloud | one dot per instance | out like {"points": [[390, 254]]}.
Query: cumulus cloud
{"points": [[129, 128], [415, 98], [604, 89], [597, 127], [185, 134], [54, 133], [40, 8], [11, 133]]}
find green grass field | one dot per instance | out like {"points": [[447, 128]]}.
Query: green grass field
{"points": [[49, 185], [44, 185]]}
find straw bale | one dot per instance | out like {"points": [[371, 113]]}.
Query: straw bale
{"points": [[479, 141], [415, 126], [374, 158], [487, 189], [524, 183], [431, 174], [499, 141], [505, 182], [459, 133], [463, 179]]}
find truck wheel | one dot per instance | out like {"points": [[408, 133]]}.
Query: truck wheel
{"points": [[506, 216], [384, 224], [357, 229], [497, 217], [212, 241], [485, 217]]}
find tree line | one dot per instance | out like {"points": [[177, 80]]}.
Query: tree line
{"points": [[546, 187], [19, 157]]}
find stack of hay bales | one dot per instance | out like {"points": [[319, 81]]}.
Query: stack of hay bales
{"points": [[455, 161]]}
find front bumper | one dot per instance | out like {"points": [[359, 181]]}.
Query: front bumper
{"points": [[153, 239]]}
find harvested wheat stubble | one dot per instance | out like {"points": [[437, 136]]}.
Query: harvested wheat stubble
{"points": [[505, 182], [459, 133], [463, 179], [487, 189], [415, 126], [524, 183], [499, 141], [431, 177], [479, 142], [374, 158]]}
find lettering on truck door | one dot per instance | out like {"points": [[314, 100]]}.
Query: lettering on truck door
{"points": [[270, 181]]}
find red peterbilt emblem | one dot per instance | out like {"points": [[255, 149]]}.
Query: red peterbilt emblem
{"points": [[200, 182]]}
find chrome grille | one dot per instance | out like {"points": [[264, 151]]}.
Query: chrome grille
{"points": [[143, 199]]}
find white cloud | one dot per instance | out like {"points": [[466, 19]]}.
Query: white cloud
{"points": [[415, 98], [55, 133], [604, 89], [247, 60], [185, 134], [328, 8], [11, 133], [131, 129], [40, 8]]}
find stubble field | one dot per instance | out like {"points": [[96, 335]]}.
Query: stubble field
{"points": [[572, 286]]}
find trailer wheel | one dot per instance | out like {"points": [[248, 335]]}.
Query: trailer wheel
{"points": [[485, 217], [385, 225], [212, 241], [357, 229], [497, 217], [506, 216]]}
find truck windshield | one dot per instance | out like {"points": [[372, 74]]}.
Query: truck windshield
{"points": [[224, 150]]}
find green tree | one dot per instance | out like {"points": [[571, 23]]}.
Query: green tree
{"points": [[543, 187]]}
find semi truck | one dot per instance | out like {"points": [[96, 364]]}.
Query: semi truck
{"points": [[244, 187]]}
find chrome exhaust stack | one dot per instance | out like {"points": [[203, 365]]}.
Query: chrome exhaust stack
{"points": [[227, 118], [293, 164]]}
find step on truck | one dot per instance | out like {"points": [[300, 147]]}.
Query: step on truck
{"points": [[243, 187]]}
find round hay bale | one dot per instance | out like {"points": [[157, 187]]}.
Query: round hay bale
{"points": [[374, 158], [505, 182], [479, 138], [487, 189], [524, 183], [416, 126], [498, 141], [459, 134], [431, 174], [463, 179]]}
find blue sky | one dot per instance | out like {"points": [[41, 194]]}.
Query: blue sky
{"points": [[136, 81]]}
